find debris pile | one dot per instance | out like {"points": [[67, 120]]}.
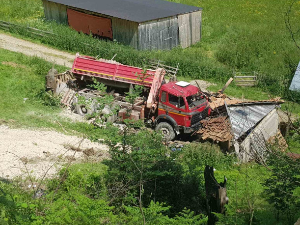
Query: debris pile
{"points": [[220, 102], [217, 129], [279, 141]]}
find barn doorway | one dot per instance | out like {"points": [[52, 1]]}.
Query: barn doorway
{"points": [[99, 27]]}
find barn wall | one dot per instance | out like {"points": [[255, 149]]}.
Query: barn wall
{"points": [[125, 32], [54, 11], [158, 34], [189, 28]]}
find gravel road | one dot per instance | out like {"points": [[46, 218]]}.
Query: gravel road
{"points": [[25, 152], [28, 48]]}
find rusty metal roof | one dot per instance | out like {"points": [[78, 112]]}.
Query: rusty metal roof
{"points": [[244, 118], [295, 85], [132, 10]]}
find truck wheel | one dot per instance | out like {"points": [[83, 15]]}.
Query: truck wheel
{"points": [[167, 131], [83, 110], [107, 111]]}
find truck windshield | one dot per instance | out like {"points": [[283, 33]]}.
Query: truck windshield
{"points": [[195, 100]]}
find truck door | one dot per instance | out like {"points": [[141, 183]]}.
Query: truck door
{"points": [[173, 106]]}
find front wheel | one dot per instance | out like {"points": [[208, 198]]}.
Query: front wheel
{"points": [[167, 131]]}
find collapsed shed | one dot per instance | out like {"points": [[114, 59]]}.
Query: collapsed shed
{"points": [[252, 126], [248, 127], [142, 24]]}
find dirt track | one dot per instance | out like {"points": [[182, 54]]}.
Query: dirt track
{"points": [[28, 48], [25, 152]]}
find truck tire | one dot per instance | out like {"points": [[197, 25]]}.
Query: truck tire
{"points": [[167, 131], [81, 109], [107, 111]]}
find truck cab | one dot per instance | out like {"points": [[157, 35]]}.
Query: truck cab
{"points": [[181, 107]]}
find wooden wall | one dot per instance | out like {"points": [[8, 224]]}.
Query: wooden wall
{"points": [[54, 11], [189, 28], [165, 34], [125, 32], [158, 34]]}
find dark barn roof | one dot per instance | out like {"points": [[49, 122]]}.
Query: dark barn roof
{"points": [[132, 10]]}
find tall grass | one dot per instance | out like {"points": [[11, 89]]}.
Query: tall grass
{"points": [[237, 35]]}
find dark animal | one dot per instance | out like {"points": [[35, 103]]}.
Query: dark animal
{"points": [[216, 195]]}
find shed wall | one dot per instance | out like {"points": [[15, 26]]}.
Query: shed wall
{"points": [[54, 11], [254, 146], [158, 34], [189, 28], [125, 32], [164, 33]]}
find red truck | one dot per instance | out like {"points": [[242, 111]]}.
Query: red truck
{"points": [[171, 107]]}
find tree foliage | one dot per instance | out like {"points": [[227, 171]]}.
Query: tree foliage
{"points": [[281, 185]]}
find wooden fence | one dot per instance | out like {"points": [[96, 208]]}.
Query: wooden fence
{"points": [[245, 79], [34, 31]]}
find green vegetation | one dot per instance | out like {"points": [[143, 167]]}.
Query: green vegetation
{"points": [[242, 36], [24, 101], [146, 182]]}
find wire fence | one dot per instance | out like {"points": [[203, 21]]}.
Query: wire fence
{"points": [[34, 31]]}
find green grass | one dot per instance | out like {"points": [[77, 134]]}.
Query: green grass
{"points": [[239, 35], [23, 77]]}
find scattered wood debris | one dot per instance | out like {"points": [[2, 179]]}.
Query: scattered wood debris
{"points": [[216, 129], [219, 101]]}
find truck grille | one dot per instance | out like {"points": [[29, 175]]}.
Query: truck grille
{"points": [[196, 118]]}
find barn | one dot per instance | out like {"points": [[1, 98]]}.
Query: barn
{"points": [[142, 24]]}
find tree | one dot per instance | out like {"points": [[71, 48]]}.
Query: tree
{"points": [[284, 180]]}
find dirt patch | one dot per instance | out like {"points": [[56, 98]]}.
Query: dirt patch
{"points": [[28, 48], [25, 152], [13, 64]]}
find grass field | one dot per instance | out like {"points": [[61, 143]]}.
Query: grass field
{"points": [[23, 102], [238, 35]]}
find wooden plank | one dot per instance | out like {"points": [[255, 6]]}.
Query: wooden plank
{"points": [[245, 77], [245, 85], [41, 31], [239, 81]]}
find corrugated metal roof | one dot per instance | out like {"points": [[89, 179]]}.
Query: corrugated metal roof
{"points": [[295, 85], [132, 10], [244, 118]]}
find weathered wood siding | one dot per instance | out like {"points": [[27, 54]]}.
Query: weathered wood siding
{"points": [[189, 28], [166, 33], [158, 34], [125, 32], [54, 11]]}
